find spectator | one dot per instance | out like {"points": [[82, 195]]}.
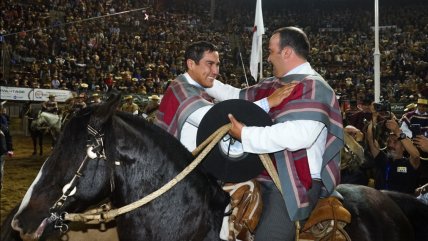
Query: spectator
{"points": [[151, 107], [5, 149], [78, 103], [4, 117], [129, 105], [50, 105], [362, 116], [418, 116], [395, 171]]}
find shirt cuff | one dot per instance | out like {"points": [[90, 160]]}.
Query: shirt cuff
{"points": [[264, 104]]}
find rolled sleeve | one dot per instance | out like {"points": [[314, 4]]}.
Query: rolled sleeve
{"points": [[290, 135]]}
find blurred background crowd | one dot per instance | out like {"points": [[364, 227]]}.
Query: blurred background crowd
{"points": [[136, 46]]}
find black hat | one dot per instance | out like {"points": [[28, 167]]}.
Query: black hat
{"points": [[227, 162]]}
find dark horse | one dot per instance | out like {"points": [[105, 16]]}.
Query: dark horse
{"points": [[140, 158]]}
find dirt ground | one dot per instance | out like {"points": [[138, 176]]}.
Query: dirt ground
{"points": [[21, 169]]}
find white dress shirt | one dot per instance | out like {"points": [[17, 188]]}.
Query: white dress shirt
{"points": [[290, 135], [189, 130]]}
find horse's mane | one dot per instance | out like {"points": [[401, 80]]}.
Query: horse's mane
{"points": [[144, 135]]}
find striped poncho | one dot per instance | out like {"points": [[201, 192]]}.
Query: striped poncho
{"points": [[311, 99], [180, 100]]}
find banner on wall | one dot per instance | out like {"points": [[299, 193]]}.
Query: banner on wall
{"points": [[30, 94]]}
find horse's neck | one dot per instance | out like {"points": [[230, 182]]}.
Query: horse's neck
{"points": [[52, 120]]}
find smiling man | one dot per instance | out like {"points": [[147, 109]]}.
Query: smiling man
{"points": [[185, 101]]}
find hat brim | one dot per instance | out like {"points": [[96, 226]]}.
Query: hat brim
{"points": [[223, 164]]}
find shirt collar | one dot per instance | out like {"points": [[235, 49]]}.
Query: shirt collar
{"points": [[191, 81], [304, 68]]}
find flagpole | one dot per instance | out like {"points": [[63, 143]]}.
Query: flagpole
{"points": [[376, 55], [261, 56], [243, 67]]}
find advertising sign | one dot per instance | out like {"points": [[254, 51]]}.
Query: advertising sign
{"points": [[29, 94]]}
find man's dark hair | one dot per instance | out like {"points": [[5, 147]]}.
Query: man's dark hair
{"points": [[295, 38], [195, 51]]}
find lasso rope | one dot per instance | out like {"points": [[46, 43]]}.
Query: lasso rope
{"points": [[102, 215], [106, 214]]}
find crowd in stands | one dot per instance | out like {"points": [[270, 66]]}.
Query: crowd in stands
{"points": [[62, 44]]}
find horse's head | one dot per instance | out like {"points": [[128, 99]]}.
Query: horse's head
{"points": [[73, 178]]}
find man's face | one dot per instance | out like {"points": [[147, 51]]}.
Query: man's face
{"points": [[394, 147], [206, 70], [276, 56], [422, 108]]}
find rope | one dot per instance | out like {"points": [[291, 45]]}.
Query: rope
{"points": [[98, 216], [104, 214], [270, 168]]}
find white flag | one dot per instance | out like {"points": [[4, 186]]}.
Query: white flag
{"points": [[256, 48]]}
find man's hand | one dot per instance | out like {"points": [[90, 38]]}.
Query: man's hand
{"points": [[280, 94], [393, 126], [236, 129], [421, 142], [422, 190]]}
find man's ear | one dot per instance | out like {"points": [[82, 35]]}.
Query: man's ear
{"points": [[190, 63], [286, 52]]}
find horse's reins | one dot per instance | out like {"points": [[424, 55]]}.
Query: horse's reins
{"points": [[105, 213]]}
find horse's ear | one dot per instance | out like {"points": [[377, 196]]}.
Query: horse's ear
{"points": [[105, 110]]}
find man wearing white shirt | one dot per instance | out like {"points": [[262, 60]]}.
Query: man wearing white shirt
{"points": [[185, 102], [306, 138]]}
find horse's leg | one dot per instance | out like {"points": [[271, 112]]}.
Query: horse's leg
{"points": [[34, 140], [40, 135], [53, 137]]}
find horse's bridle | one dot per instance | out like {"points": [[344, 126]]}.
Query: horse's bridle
{"points": [[95, 149]]}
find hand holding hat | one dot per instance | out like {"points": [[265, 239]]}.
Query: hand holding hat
{"points": [[227, 161], [236, 129]]}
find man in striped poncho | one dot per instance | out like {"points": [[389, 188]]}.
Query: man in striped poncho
{"points": [[306, 138]]}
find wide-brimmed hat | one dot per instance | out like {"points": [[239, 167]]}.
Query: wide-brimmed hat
{"points": [[51, 95], [154, 97], [422, 101], [226, 161], [128, 97], [410, 107]]}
